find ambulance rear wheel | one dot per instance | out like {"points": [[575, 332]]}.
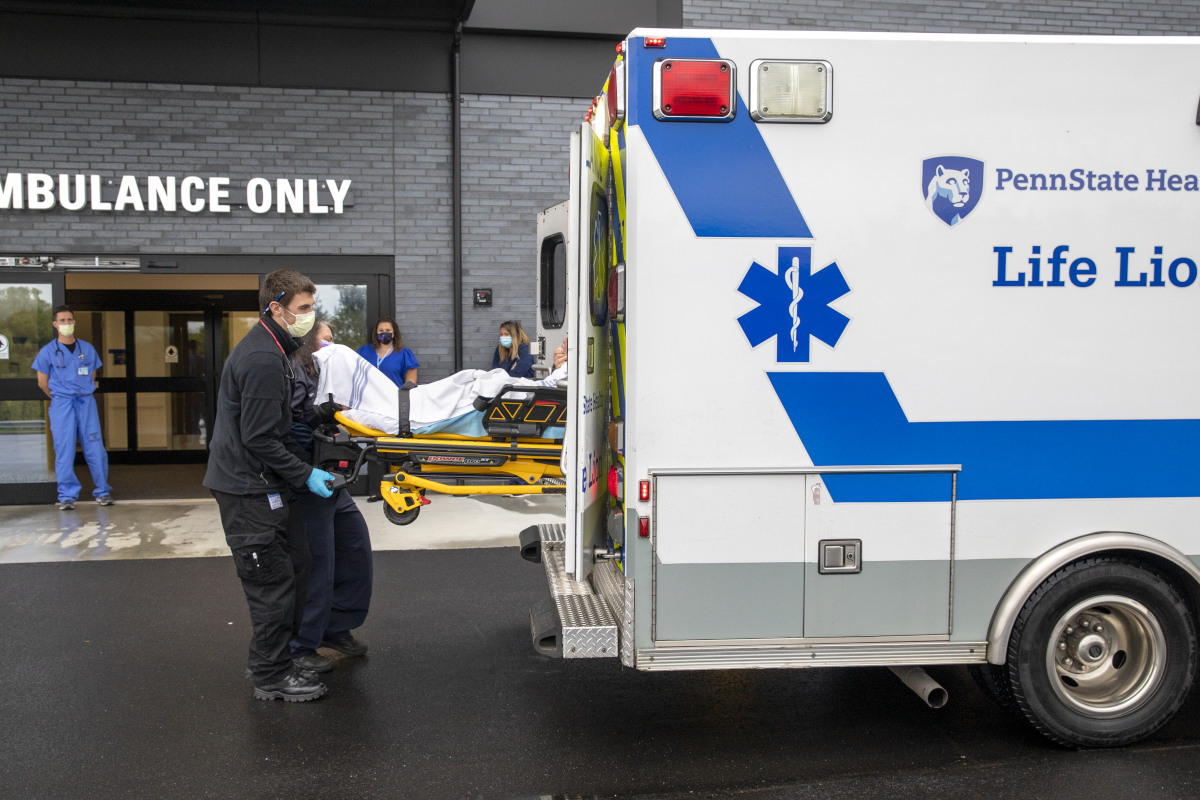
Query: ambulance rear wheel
{"points": [[1103, 654], [400, 517]]}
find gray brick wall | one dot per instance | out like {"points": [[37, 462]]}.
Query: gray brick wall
{"points": [[423, 228], [515, 161], [113, 129], [1108, 17], [394, 147]]}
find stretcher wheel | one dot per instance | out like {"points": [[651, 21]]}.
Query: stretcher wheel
{"points": [[400, 517]]}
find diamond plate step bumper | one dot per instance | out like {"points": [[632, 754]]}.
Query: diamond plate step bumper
{"points": [[575, 621]]}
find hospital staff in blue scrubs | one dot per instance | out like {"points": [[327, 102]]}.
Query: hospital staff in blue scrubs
{"points": [[66, 372]]}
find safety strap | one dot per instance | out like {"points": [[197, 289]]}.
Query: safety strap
{"points": [[405, 429]]}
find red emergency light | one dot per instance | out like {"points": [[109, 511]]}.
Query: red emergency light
{"points": [[616, 483], [694, 89], [644, 527], [654, 41], [644, 491]]}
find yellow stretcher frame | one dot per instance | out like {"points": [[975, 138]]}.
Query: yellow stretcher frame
{"points": [[535, 463]]}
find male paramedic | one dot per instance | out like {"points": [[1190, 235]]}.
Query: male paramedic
{"points": [[66, 372], [254, 470]]}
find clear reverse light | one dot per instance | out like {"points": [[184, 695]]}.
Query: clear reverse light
{"points": [[791, 91]]}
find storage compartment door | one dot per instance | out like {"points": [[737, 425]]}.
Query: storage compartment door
{"points": [[893, 576]]}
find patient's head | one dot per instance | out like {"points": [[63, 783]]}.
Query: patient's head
{"points": [[320, 335]]}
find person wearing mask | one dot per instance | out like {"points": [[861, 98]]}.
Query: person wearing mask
{"points": [[386, 351], [339, 584], [66, 372], [255, 470], [513, 355]]}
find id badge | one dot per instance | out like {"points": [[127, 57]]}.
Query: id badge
{"points": [[83, 371], [276, 501]]}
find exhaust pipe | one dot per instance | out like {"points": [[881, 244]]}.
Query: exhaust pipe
{"points": [[926, 687]]}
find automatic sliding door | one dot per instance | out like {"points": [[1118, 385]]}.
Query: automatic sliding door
{"points": [[170, 384]]}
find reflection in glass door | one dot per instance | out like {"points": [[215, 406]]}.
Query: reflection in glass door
{"points": [[25, 316], [170, 348], [163, 352]]}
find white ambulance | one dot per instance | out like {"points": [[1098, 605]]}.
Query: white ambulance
{"points": [[884, 350]]}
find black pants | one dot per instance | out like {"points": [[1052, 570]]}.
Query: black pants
{"points": [[339, 587], [270, 554]]}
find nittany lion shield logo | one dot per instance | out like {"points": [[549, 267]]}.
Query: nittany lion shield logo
{"points": [[951, 186]]}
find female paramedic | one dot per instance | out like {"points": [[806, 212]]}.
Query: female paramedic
{"points": [[339, 586], [513, 355], [385, 349], [66, 372]]}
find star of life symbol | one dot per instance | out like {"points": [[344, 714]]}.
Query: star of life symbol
{"points": [[793, 304]]}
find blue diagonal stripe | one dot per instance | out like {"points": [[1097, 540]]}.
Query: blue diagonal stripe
{"points": [[855, 419], [722, 173]]}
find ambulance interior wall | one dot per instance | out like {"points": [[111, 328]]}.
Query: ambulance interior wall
{"points": [[393, 146], [1078, 17]]}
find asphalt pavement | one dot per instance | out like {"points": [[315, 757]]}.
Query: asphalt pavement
{"points": [[123, 679]]}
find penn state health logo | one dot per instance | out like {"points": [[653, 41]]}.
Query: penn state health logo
{"points": [[793, 304], [952, 186]]}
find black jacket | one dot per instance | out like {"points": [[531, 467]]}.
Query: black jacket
{"points": [[252, 450]]}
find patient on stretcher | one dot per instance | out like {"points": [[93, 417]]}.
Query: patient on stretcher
{"points": [[446, 406]]}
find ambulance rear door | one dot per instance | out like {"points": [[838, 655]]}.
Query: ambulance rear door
{"points": [[588, 262]]}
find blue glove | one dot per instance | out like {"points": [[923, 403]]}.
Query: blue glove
{"points": [[319, 483]]}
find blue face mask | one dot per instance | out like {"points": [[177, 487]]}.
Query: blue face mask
{"points": [[506, 341]]}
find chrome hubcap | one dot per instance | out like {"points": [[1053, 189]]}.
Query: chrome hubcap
{"points": [[1107, 656]]}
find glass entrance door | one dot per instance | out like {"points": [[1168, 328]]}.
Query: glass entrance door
{"points": [[162, 353], [27, 468]]}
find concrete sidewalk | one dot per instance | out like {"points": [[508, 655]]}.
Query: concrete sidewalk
{"points": [[134, 529]]}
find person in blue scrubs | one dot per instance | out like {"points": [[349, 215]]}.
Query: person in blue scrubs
{"points": [[385, 349], [513, 355], [66, 372]]}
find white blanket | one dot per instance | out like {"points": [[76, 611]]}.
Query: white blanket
{"points": [[372, 400]]}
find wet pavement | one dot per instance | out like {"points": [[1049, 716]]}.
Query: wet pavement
{"points": [[187, 528], [123, 679]]}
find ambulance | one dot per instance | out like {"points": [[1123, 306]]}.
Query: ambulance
{"points": [[884, 351]]}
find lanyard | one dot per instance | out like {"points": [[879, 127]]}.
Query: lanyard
{"points": [[287, 361], [379, 358]]}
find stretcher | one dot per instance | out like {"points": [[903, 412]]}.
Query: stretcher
{"points": [[520, 451]]}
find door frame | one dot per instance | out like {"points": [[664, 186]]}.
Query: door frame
{"points": [[27, 389]]}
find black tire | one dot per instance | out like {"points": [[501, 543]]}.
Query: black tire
{"points": [[995, 683], [400, 517], [1103, 654]]}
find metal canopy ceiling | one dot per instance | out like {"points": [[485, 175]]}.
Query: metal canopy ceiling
{"points": [[416, 14]]}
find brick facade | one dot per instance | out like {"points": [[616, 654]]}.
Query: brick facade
{"points": [[394, 147]]}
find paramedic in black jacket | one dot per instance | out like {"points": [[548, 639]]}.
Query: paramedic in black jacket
{"points": [[254, 470]]}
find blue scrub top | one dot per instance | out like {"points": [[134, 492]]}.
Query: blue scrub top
{"points": [[70, 373], [394, 364]]}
